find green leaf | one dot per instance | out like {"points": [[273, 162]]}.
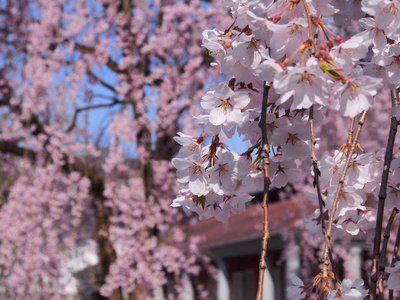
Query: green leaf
{"points": [[200, 200]]}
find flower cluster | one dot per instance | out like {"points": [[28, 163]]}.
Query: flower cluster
{"points": [[314, 69], [215, 184]]}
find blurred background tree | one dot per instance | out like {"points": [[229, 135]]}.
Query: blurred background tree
{"points": [[91, 94]]}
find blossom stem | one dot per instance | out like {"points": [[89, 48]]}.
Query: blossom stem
{"points": [[328, 235], [336, 37], [303, 47], [323, 29], [382, 197], [267, 181], [278, 16], [351, 132], [316, 170], [317, 174], [381, 267], [311, 35]]}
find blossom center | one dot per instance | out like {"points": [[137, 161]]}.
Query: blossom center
{"points": [[225, 104], [354, 89], [195, 169], [271, 127], [253, 44], [192, 147], [294, 29], [222, 169], [305, 77], [334, 169], [293, 139], [391, 9], [396, 61]]}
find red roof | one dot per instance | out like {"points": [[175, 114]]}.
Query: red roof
{"points": [[247, 226]]}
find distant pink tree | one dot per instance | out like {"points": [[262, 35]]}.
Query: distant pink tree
{"points": [[91, 95]]}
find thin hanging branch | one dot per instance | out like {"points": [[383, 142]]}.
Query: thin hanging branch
{"points": [[351, 131], [317, 172], [395, 256], [310, 31], [382, 197], [267, 181], [382, 258], [316, 183], [328, 235]]}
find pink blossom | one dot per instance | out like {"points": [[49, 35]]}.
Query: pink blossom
{"points": [[223, 174], [394, 276], [225, 105], [349, 290], [191, 170], [297, 290], [293, 140], [306, 85], [384, 11], [357, 94], [288, 37]]}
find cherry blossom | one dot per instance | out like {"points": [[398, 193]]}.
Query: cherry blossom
{"points": [[192, 171], [356, 95], [297, 290], [394, 276], [225, 105], [325, 64], [349, 290], [190, 145], [223, 174], [307, 85], [293, 140], [283, 172], [385, 12], [348, 53], [287, 38]]}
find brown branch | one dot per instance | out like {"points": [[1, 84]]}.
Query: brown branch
{"points": [[310, 32], [267, 181], [101, 81], [13, 56], [81, 109], [126, 7], [382, 199], [13, 148], [328, 235], [382, 258], [110, 63], [26, 122], [351, 131], [317, 172]]}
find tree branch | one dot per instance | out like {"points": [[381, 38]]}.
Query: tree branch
{"points": [[81, 109], [382, 258], [328, 236], [13, 148], [110, 63], [395, 256], [267, 181], [102, 82], [310, 31], [382, 198], [317, 172]]}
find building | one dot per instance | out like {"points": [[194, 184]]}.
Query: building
{"points": [[236, 246]]}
